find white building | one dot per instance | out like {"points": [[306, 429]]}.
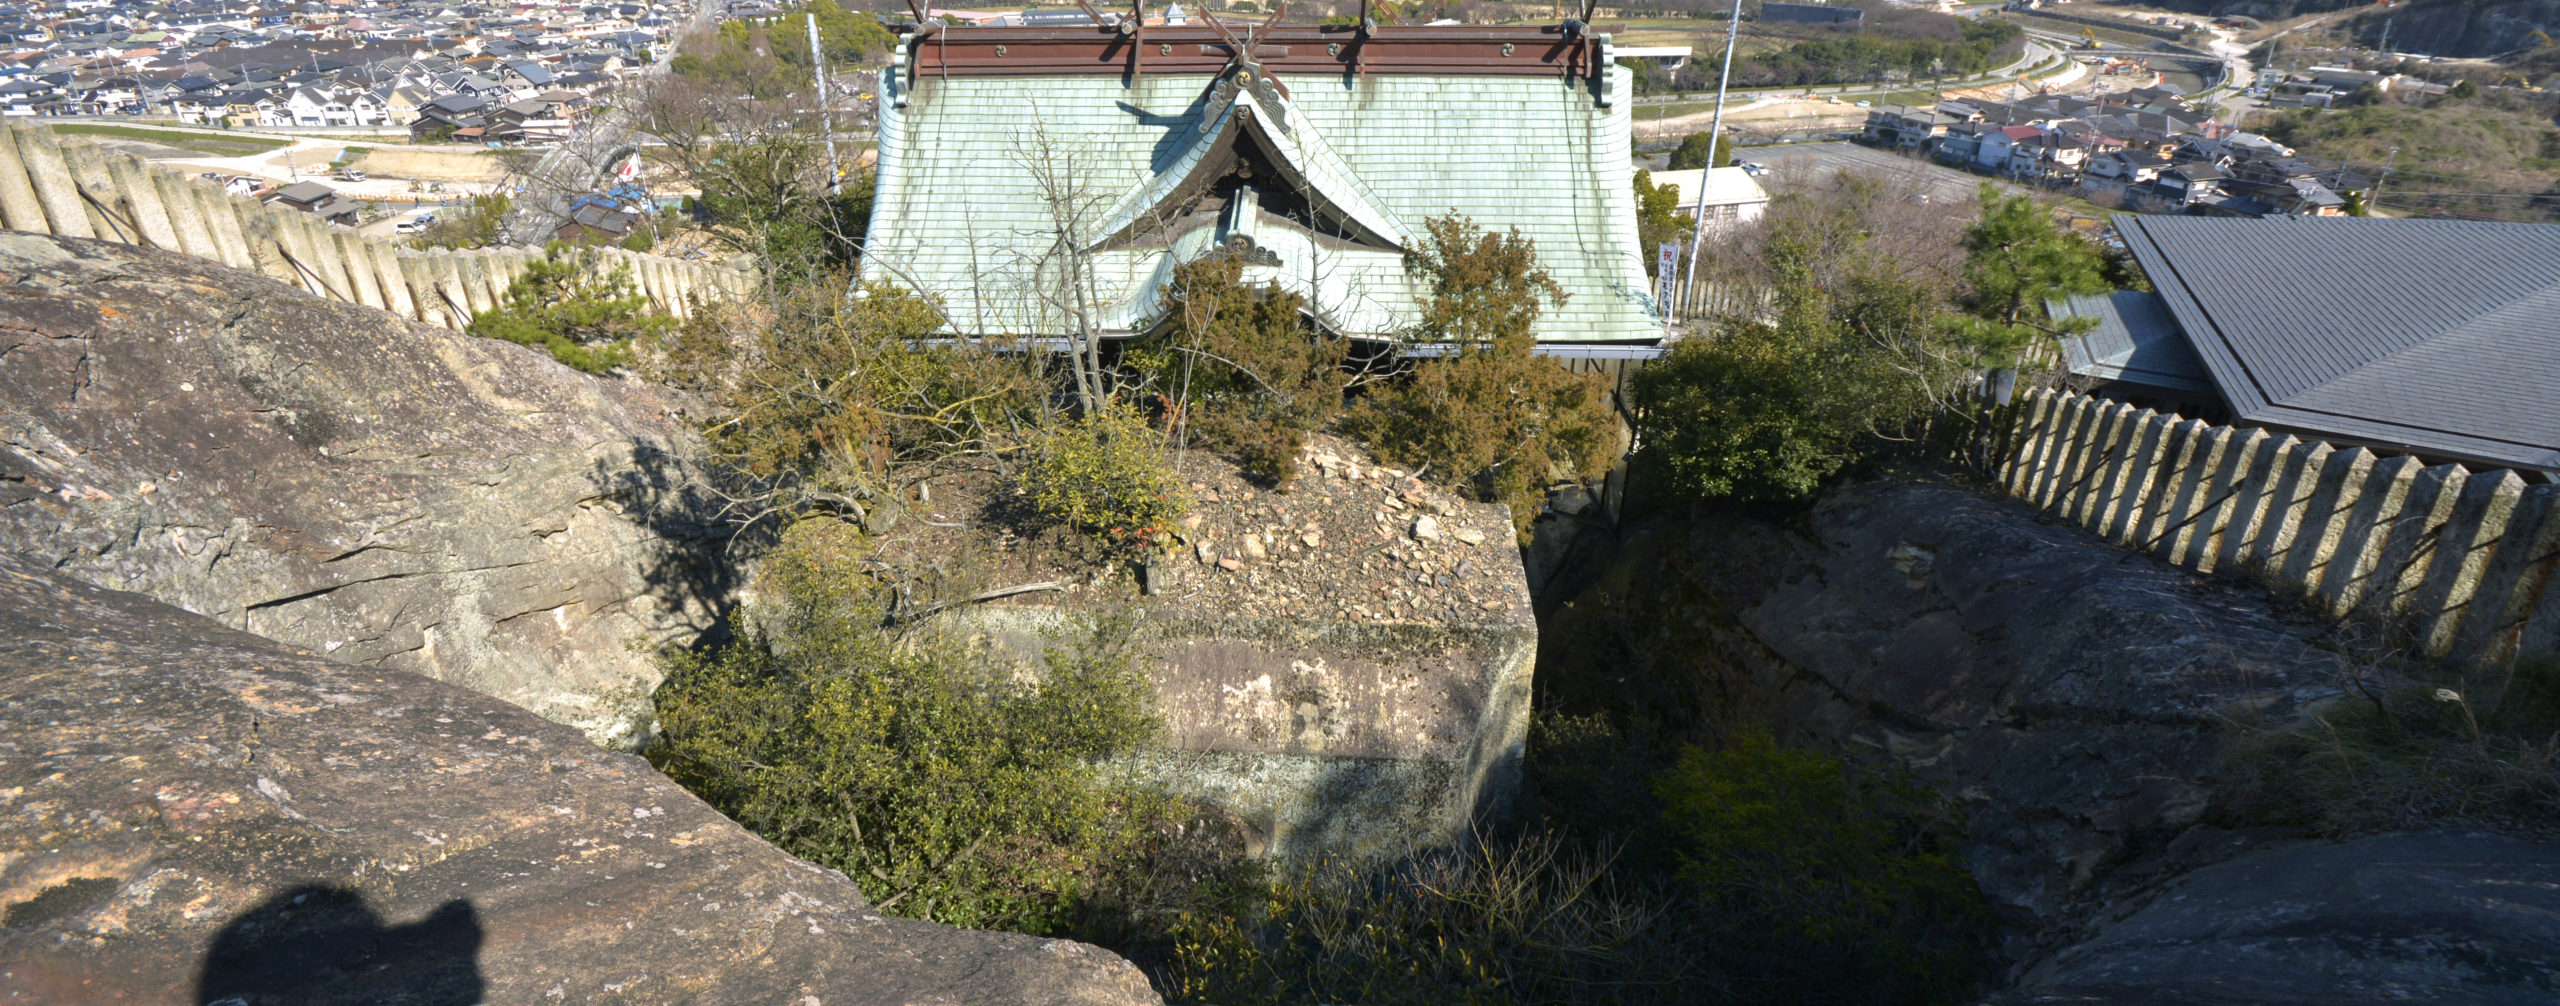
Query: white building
{"points": [[1732, 197], [1668, 57]]}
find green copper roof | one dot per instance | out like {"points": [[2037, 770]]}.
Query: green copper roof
{"points": [[979, 177]]}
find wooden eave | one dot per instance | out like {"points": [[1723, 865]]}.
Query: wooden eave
{"points": [[1303, 49]]}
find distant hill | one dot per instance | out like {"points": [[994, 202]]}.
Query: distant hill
{"points": [[2458, 28]]}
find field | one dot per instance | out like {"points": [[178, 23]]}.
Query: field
{"points": [[200, 143]]}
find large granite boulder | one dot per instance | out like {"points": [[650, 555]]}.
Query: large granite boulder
{"points": [[386, 494], [192, 814], [2074, 696], [1342, 665], [2437, 918]]}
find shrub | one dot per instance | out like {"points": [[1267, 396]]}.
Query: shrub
{"points": [[1834, 882], [947, 787], [1692, 152], [1858, 349], [584, 311], [1241, 367], [1105, 473], [1658, 219], [1489, 417], [827, 392], [1523, 921]]}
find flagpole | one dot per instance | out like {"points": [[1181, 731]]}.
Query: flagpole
{"points": [[1715, 132]]}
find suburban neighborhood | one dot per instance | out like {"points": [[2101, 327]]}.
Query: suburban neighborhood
{"points": [[2147, 150], [512, 74]]}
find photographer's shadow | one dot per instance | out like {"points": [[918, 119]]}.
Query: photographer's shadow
{"points": [[322, 944]]}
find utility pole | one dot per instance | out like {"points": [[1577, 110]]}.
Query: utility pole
{"points": [[1715, 132], [826, 114], [2386, 176]]}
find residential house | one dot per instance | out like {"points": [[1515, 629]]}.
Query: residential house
{"points": [[596, 220], [1999, 143], [1962, 143], [2048, 157], [1731, 197], [2177, 187], [1908, 127], [316, 199]]}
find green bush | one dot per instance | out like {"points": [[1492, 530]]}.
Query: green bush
{"points": [[1833, 882], [822, 394], [575, 305], [1658, 219], [947, 786], [1241, 367], [1490, 417], [1858, 352], [1692, 152], [1770, 409], [1105, 473]]}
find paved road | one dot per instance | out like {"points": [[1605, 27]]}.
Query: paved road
{"points": [[2036, 53]]}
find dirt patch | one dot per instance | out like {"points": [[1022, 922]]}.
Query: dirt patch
{"points": [[1350, 540], [434, 164]]}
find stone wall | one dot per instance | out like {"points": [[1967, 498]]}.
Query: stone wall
{"points": [[1324, 738], [2459, 562], [72, 188]]}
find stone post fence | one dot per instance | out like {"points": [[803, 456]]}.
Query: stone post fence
{"points": [[74, 188], [2458, 563]]}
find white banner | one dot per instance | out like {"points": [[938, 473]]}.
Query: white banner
{"points": [[1666, 277]]}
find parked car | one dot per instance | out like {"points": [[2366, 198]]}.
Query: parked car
{"points": [[413, 226]]}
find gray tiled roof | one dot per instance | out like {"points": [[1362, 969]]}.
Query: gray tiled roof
{"points": [[2438, 336], [2135, 341]]}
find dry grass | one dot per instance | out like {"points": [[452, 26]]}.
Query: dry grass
{"points": [[2479, 749]]}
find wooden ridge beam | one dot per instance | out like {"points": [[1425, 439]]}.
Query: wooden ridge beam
{"points": [[1326, 49]]}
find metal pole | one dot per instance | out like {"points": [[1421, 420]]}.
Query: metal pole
{"points": [[1715, 132], [826, 117]]}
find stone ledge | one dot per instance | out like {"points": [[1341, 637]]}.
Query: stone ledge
{"points": [[194, 812]]}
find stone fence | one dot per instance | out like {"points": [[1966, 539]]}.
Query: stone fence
{"points": [[74, 188], [2458, 563]]}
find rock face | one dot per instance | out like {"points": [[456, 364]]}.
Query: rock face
{"points": [[1344, 667], [2072, 695], [2401, 918], [2075, 697], [2467, 28], [191, 814], [386, 494]]}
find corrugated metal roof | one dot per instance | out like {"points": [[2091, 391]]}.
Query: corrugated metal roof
{"points": [[2135, 341], [960, 210], [2440, 336]]}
